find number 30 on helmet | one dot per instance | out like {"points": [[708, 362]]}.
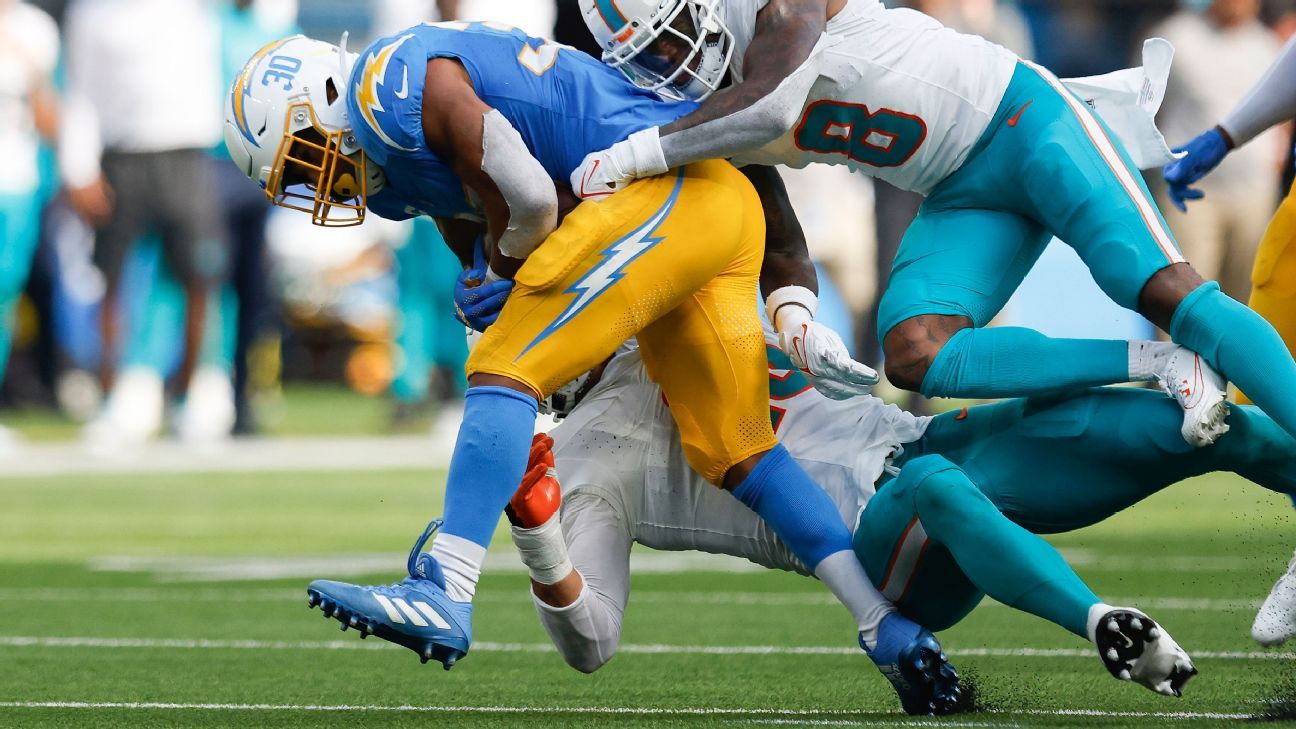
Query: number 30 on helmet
{"points": [[679, 48], [286, 128]]}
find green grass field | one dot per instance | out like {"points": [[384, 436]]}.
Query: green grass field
{"points": [[178, 600]]}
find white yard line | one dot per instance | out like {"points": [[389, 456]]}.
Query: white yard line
{"points": [[651, 597], [19, 641], [787, 715]]}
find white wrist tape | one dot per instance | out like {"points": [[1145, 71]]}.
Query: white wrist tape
{"points": [[645, 147], [491, 276], [543, 551], [791, 306]]}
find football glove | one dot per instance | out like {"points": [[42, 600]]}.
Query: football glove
{"points": [[603, 173], [1204, 153], [478, 302], [815, 349]]}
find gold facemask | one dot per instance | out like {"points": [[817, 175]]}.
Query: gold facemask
{"points": [[313, 175]]}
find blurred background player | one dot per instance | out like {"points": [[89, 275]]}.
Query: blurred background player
{"points": [[1219, 53], [134, 158], [1270, 102], [29, 51]]}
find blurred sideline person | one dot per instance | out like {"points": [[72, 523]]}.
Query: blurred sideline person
{"points": [[133, 152], [29, 51], [1270, 102], [245, 26], [429, 343], [1220, 51]]}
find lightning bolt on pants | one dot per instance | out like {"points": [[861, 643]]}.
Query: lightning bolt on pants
{"points": [[675, 261]]}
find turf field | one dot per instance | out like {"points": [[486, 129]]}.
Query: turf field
{"points": [[178, 600]]}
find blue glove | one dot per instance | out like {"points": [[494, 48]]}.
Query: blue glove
{"points": [[477, 304], [1204, 153]]}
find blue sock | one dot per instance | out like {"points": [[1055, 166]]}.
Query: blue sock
{"points": [[490, 457], [1017, 362], [795, 508], [1242, 346]]}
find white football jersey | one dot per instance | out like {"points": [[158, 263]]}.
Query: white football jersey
{"points": [[621, 444], [29, 49], [899, 96]]}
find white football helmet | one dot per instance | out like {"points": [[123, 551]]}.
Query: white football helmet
{"points": [[662, 48], [286, 127]]}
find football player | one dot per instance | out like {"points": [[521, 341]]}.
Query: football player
{"points": [[1273, 293], [945, 510], [471, 124], [1007, 158]]}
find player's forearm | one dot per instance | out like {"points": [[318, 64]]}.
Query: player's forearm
{"points": [[767, 103], [526, 188], [787, 256], [560, 594], [742, 126], [1271, 101]]}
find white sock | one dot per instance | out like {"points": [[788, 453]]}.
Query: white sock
{"points": [[1096, 611], [543, 551], [461, 561], [845, 576], [1148, 359]]}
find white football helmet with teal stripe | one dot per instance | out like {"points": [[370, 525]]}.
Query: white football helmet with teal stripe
{"points": [[678, 48]]}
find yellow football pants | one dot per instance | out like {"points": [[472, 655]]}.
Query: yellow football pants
{"points": [[1273, 280], [675, 260]]}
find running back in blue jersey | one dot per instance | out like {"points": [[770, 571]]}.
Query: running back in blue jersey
{"points": [[564, 103]]}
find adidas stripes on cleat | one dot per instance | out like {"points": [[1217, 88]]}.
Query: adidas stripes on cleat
{"points": [[416, 613]]}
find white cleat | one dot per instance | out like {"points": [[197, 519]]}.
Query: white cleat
{"points": [[1275, 624], [1201, 392], [131, 416], [207, 415], [1134, 648]]}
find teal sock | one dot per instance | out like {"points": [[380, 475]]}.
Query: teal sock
{"points": [[8, 319], [1017, 362], [1004, 560], [1242, 346]]}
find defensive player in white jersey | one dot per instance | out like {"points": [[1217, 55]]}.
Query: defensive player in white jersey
{"points": [[1007, 157], [957, 499]]}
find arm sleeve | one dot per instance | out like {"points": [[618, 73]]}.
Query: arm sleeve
{"points": [[753, 127], [522, 180], [1271, 101], [80, 144]]}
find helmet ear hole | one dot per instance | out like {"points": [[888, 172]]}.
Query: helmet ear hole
{"points": [[330, 92]]}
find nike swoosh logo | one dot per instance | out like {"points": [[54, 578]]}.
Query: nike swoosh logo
{"points": [[1017, 117], [404, 89], [585, 193]]}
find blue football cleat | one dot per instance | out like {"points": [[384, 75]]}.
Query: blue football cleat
{"points": [[912, 660], [415, 612]]}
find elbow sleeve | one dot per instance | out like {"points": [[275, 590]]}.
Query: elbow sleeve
{"points": [[524, 184]]}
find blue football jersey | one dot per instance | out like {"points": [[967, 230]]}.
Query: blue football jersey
{"points": [[564, 103]]}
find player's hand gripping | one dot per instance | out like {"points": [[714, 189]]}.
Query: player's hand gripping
{"points": [[478, 302], [539, 496], [815, 349], [1204, 153], [822, 357], [603, 173]]}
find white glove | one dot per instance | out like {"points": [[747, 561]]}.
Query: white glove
{"points": [[603, 173], [815, 349]]}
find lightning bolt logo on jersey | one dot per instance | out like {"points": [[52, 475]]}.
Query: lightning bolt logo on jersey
{"points": [[564, 103], [372, 76]]}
